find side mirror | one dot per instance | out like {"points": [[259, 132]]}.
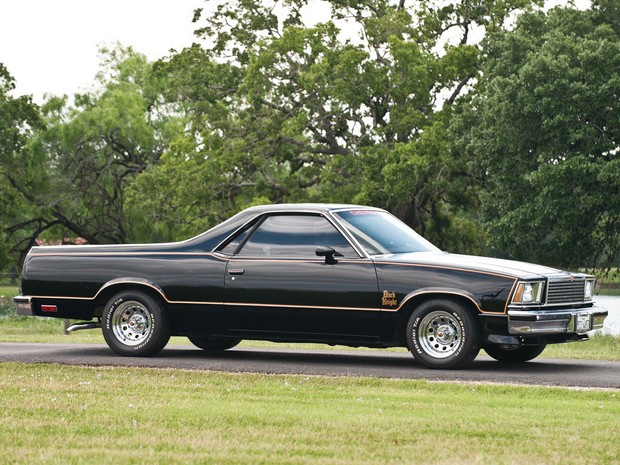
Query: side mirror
{"points": [[328, 253]]}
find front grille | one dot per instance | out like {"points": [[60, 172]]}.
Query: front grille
{"points": [[565, 292]]}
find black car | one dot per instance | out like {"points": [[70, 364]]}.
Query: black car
{"points": [[336, 274]]}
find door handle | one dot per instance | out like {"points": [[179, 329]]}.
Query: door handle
{"points": [[236, 271]]}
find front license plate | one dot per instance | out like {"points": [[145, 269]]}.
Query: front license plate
{"points": [[584, 324]]}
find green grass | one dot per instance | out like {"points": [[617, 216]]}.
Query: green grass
{"points": [[76, 415], [609, 277], [6, 299], [608, 282], [8, 290], [599, 347], [39, 329]]}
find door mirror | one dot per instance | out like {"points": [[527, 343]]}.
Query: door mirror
{"points": [[328, 253]]}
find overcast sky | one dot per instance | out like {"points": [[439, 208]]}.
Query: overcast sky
{"points": [[50, 46]]}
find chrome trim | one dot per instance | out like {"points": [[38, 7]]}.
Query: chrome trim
{"points": [[333, 213], [315, 212], [87, 325], [23, 305], [501, 339], [363, 253], [544, 303], [542, 290], [563, 281], [555, 322], [550, 306], [438, 290], [215, 250], [223, 304], [591, 298], [128, 280]]}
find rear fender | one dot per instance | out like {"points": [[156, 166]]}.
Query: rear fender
{"points": [[114, 285]]}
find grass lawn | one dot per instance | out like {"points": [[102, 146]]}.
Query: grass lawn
{"points": [[56, 414], [79, 415], [609, 277]]}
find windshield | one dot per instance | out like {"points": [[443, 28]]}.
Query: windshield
{"points": [[381, 233]]}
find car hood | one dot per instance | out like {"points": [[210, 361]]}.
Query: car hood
{"points": [[470, 262]]}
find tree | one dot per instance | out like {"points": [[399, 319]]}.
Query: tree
{"points": [[282, 111], [19, 117], [73, 171], [544, 128], [199, 179]]}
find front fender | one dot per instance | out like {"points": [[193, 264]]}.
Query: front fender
{"points": [[440, 292]]}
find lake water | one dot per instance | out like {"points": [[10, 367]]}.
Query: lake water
{"points": [[612, 304]]}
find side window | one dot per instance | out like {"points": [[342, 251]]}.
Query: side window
{"points": [[295, 236], [234, 244]]}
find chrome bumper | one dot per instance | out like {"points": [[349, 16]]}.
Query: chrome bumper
{"points": [[578, 321], [23, 306]]}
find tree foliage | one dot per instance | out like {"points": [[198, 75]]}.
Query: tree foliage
{"points": [[73, 171], [19, 117], [284, 111], [478, 122], [544, 127]]}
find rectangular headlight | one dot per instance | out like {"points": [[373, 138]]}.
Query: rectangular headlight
{"points": [[588, 291], [529, 292]]}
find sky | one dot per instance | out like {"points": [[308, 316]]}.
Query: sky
{"points": [[51, 46]]}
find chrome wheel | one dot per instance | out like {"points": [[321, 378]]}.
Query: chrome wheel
{"points": [[440, 334], [443, 333], [135, 323], [131, 323]]}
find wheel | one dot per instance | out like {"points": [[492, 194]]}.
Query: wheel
{"points": [[514, 353], [135, 324], [213, 343], [443, 334]]}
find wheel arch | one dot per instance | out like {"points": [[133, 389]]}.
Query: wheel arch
{"points": [[115, 286], [420, 296]]}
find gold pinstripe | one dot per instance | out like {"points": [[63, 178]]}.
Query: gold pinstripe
{"points": [[235, 304]]}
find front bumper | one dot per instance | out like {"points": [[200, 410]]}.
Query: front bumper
{"points": [[540, 322]]}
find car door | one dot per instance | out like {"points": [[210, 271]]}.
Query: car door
{"points": [[276, 283]]}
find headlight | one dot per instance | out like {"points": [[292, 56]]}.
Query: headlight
{"points": [[528, 293], [589, 290]]}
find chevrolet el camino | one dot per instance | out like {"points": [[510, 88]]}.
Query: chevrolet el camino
{"points": [[335, 274]]}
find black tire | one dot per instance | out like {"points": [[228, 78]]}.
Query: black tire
{"points": [[443, 334], [514, 353], [135, 324], [213, 343]]}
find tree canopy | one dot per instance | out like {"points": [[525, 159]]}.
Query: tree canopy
{"points": [[19, 118], [543, 126], [282, 111], [487, 125], [68, 173]]}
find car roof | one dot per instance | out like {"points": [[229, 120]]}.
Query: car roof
{"points": [[214, 236], [314, 207]]}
